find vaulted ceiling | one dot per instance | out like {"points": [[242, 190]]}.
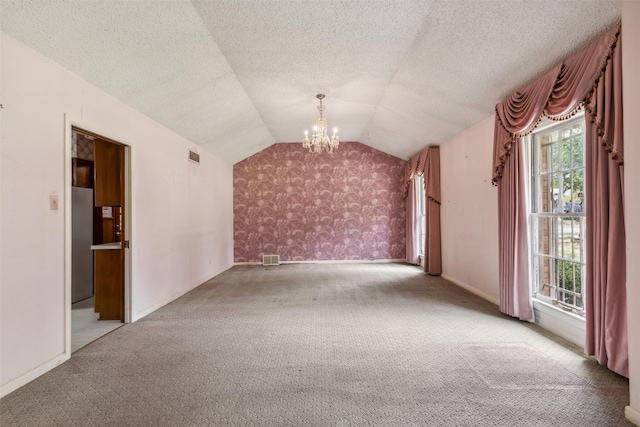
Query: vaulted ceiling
{"points": [[236, 76]]}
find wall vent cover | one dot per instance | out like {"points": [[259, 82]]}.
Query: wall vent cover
{"points": [[270, 259], [194, 157]]}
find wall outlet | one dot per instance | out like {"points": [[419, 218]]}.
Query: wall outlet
{"points": [[53, 202]]}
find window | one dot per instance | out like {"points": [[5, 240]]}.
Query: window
{"points": [[558, 215], [422, 211]]}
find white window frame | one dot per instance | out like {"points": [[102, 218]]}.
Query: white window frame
{"points": [[564, 321], [422, 212]]}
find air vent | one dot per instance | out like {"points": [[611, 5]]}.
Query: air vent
{"points": [[194, 157], [270, 259]]}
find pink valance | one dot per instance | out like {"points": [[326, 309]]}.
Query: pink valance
{"points": [[410, 172], [427, 163], [558, 94]]}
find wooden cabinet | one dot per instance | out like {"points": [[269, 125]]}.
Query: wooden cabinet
{"points": [[108, 284], [109, 173], [82, 173]]}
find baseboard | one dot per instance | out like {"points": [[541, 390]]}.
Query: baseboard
{"points": [[347, 261], [472, 289], [18, 382], [334, 261], [23, 379], [632, 415], [147, 311]]}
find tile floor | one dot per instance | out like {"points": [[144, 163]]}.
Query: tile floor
{"points": [[85, 326]]}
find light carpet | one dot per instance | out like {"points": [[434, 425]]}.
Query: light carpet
{"points": [[324, 345]]}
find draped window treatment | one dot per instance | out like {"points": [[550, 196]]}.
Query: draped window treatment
{"points": [[590, 79], [427, 164]]}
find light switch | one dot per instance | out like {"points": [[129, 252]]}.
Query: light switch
{"points": [[53, 202]]}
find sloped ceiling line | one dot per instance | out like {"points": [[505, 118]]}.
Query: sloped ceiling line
{"points": [[236, 76]]}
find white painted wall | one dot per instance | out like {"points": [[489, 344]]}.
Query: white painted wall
{"points": [[469, 211], [631, 87], [182, 212]]}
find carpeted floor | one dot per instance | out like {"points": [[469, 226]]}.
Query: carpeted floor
{"points": [[324, 345]]}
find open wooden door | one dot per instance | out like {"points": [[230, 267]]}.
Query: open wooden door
{"points": [[109, 228]]}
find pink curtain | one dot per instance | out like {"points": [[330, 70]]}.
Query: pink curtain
{"points": [[426, 163], [413, 238], [432, 244], [590, 78], [606, 256], [515, 295]]}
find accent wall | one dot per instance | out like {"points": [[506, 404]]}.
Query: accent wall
{"points": [[307, 207]]}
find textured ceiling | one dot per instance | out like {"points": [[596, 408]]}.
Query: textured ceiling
{"points": [[236, 76]]}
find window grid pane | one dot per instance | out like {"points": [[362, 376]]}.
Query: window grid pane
{"points": [[558, 220]]}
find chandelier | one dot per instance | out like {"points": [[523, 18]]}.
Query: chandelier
{"points": [[320, 140]]}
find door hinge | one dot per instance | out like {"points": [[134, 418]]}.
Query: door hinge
{"points": [[126, 244]]}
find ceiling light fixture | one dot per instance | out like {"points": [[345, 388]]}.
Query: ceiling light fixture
{"points": [[320, 140]]}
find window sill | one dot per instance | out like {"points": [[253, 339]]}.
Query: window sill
{"points": [[564, 324]]}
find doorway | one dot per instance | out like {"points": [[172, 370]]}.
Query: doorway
{"points": [[99, 236]]}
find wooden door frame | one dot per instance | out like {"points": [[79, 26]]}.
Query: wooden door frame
{"points": [[93, 128]]}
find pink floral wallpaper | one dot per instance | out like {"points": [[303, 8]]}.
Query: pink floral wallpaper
{"points": [[342, 206]]}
